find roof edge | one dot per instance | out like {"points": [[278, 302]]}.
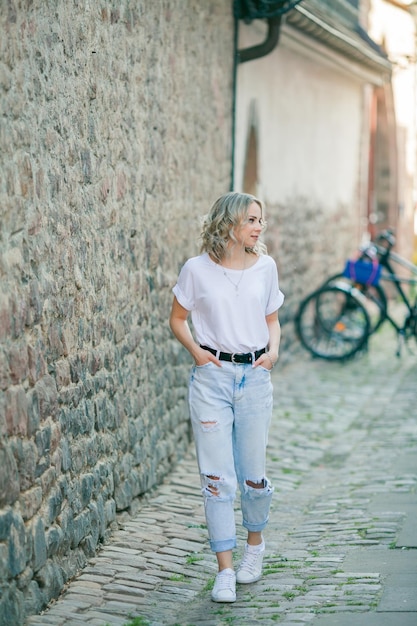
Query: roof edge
{"points": [[356, 45]]}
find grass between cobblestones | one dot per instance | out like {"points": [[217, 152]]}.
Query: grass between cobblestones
{"points": [[135, 621], [139, 621]]}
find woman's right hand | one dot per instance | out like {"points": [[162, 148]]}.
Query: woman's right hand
{"points": [[202, 357], [180, 328]]}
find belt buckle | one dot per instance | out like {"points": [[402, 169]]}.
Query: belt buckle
{"points": [[238, 354]]}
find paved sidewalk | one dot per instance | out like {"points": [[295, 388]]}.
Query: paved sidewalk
{"points": [[342, 538]]}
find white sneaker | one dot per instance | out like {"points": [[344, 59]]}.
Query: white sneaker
{"points": [[250, 569], [224, 589]]}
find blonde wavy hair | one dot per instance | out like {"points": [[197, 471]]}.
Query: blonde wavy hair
{"points": [[229, 212]]}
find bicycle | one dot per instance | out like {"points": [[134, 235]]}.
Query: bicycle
{"points": [[332, 322], [375, 302], [359, 308]]}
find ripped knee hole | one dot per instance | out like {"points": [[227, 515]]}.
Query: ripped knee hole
{"points": [[213, 489], [257, 485], [209, 425]]}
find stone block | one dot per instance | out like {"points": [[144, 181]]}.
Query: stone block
{"points": [[30, 502], [25, 176], [33, 409], [48, 479], [100, 413], [48, 397], [34, 599], [88, 545], [17, 546], [35, 303], [62, 374], [26, 456], [19, 307], [9, 477], [66, 455], [24, 578], [86, 488], [55, 540], [43, 439], [71, 397], [5, 315], [66, 522], [81, 421], [101, 516], [56, 342], [16, 410], [55, 436], [39, 544], [12, 610], [123, 495], [94, 362], [54, 505], [36, 363], [56, 460], [50, 579], [4, 553], [79, 454], [6, 519], [103, 479], [110, 511], [76, 368], [5, 377], [81, 528], [18, 362], [94, 522], [72, 562], [3, 425], [93, 454]]}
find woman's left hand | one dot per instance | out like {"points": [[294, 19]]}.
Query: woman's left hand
{"points": [[266, 360]]}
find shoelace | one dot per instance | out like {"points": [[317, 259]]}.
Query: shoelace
{"points": [[249, 561], [225, 580]]}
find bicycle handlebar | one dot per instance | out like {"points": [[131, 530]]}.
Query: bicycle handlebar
{"points": [[387, 236], [385, 253]]}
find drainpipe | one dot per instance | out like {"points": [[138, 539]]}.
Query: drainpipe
{"points": [[271, 41], [272, 11], [250, 54]]}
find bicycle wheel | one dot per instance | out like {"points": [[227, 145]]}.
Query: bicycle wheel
{"points": [[410, 324], [375, 303], [332, 323]]}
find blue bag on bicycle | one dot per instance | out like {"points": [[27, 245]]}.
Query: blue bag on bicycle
{"points": [[363, 272]]}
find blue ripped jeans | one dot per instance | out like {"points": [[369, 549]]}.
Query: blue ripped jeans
{"points": [[231, 410]]}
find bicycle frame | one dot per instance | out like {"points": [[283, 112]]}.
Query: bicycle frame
{"points": [[385, 255]]}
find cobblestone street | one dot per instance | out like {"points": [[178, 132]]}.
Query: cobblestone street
{"points": [[341, 546]]}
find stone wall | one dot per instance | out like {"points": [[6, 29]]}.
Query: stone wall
{"points": [[115, 137]]}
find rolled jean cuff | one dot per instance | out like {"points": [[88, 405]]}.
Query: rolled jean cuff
{"points": [[255, 528], [223, 545]]}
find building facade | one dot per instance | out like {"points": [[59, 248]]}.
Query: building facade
{"points": [[303, 125], [393, 25]]}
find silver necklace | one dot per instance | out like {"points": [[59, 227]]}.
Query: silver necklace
{"points": [[232, 282]]}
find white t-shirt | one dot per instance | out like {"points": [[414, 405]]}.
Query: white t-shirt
{"points": [[223, 317]]}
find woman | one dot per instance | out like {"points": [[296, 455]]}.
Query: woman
{"points": [[232, 292]]}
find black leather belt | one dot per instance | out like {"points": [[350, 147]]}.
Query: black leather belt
{"points": [[236, 357]]}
